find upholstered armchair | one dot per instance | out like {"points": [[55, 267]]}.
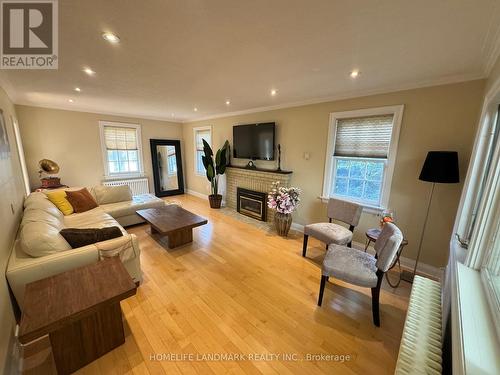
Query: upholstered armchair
{"points": [[346, 212], [360, 268]]}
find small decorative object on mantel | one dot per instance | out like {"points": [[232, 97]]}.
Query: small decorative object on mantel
{"points": [[214, 170], [284, 200], [250, 165], [49, 167]]}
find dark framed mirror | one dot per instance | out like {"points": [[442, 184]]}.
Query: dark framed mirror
{"points": [[167, 167]]}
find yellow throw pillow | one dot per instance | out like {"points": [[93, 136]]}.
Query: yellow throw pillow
{"points": [[58, 197]]}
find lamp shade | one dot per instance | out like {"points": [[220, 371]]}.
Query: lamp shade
{"points": [[440, 167]]}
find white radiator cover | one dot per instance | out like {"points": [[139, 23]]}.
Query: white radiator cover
{"points": [[420, 351], [137, 185]]}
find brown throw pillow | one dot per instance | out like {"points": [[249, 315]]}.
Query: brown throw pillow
{"points": [[78, 237], [81, 200]]}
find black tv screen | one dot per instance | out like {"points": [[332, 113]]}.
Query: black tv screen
{"points": [[254, 141]]}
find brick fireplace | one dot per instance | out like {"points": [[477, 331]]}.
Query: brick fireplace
{"points": [[256, 180]]}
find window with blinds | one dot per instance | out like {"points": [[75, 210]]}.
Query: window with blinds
{"points": [[121, 148], [366, 137], [200, 134], [359, 155]]}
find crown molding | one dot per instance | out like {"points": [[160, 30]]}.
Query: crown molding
{"points": [[351, 95], [130, 116], [356, 94]]}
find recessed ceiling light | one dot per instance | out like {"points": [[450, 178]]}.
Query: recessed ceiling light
{"points": [[195, 109], [228, 102], [274, 92], [89, 71], [110, 37], [77, 89], [354, 73], [71, 100], [173, 114]]}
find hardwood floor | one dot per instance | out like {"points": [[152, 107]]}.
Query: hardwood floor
{"points": [[238, 290]]}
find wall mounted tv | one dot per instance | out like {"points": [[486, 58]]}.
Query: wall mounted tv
{"points": [[254, 141]]}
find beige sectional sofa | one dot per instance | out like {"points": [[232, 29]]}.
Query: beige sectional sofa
{"points": [[40, 250]]}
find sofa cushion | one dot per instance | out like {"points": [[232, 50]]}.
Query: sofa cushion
{"points": [[138, 202], [45, 206], [95, 218], [112, 194], [42, 216], [81, 200], [34, 197], [58, 197], [39, 239], [78, 237]]}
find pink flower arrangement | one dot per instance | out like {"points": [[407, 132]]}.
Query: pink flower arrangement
{"points": [[283, 199]]}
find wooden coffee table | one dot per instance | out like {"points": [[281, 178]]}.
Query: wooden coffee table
{"points": [[172, 221], [79, 310]]}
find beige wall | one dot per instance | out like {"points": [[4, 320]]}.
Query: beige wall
{"points": [[72, 140], [11, 200], [435, 118]]}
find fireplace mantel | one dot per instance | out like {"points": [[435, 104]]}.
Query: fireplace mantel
{"points": [[260, 169], [253, 179]]}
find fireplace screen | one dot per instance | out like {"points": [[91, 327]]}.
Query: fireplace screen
{"points": [[251, 203]]}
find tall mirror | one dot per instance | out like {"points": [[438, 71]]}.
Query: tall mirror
{"points": [[167, 167]]}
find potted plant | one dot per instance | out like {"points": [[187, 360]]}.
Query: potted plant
{"points": [[284, 200], [214, 168]]}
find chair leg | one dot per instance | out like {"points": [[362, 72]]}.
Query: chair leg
{"points": [[375, 306], [322, 289], [376, 299], [304, 246]]}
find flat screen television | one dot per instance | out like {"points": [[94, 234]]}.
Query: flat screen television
{"points": [[254, 141]]}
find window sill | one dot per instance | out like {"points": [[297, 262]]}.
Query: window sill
{"points": [[123, 176], [375, 210], [480, 348]]}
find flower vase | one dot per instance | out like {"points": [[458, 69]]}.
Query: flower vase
{"points": [[282, 222]]}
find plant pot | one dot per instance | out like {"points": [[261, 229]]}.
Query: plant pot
{"points": [[215, 200], [282, 222]]}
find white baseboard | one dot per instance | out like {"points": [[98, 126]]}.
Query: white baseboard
{"points": [[203, 196], [423, 268], [196, 194]]}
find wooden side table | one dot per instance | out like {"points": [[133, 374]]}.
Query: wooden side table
{"points": [[79, 310], [372, 236]]}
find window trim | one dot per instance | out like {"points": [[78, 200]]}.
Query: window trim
{"points": [[397, 112], [114, 176], [195, 131], [477, 251]]}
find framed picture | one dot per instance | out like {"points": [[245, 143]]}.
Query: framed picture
{"points": [[4, 139]]}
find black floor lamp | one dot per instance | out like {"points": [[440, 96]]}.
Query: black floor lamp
{"points": [[440, 167]]}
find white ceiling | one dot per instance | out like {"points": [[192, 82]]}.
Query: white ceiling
{"points": [[179, 54]]}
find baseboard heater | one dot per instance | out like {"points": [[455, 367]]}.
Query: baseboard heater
{"points": [[420, 351], [137, 185]]}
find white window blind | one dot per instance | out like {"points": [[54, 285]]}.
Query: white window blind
{"points": [[200, 134], [121, 148], [364, 137], [116, 138]]}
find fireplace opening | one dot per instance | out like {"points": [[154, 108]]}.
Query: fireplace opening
{"points": [[251, 203]]}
